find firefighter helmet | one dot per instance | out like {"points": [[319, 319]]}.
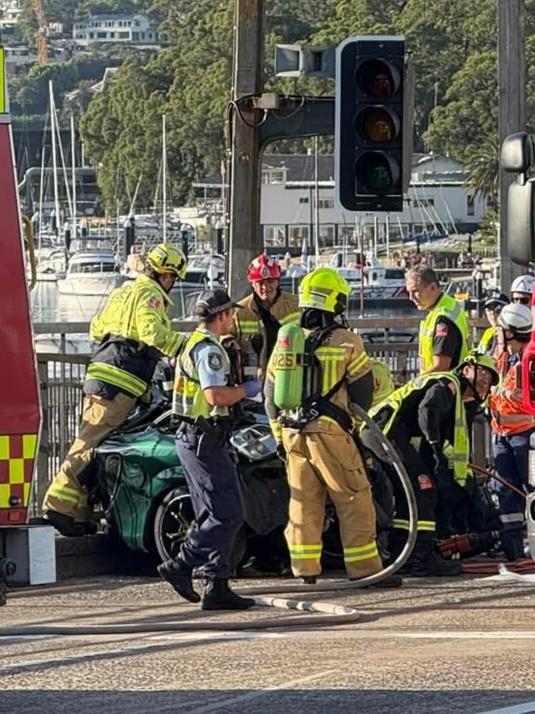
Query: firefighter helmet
{"points": [[166, 258], [516, 318], [263, 268], [324, 289], [485, 361], [523, 284]]}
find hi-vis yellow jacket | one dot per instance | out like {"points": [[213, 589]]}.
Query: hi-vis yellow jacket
{"points": [[134, 330], [448, 307], [248, 325]]}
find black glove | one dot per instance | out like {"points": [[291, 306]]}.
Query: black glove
{"points": [[281, 452]]}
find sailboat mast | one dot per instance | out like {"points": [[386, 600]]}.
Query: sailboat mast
{"points": [[73, 168], [317, 204], [54, 155], [164, 180]]}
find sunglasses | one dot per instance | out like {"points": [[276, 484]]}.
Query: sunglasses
{"points": [[521, 300]]}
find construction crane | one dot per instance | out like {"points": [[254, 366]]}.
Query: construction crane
{"points": [[41, 36]]}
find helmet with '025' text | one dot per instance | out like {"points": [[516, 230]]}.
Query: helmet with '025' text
{"points": [[166, 258], [263, 268], [516, 319], [324, 289]]}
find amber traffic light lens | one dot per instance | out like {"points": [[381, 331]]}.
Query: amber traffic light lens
{"points": [[378, 125], [377, 78]]}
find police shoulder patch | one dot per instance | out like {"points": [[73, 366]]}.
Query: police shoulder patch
{"points": [[154, 303], [215, 361]]}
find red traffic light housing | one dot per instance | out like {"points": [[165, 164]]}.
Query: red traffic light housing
{"points": [[373, 133]]}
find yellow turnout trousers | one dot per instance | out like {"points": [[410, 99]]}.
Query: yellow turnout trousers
{"points": [[99, 418], [329, 462]]}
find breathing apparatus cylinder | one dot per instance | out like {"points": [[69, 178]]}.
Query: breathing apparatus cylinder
{"points": [[287, 364]]}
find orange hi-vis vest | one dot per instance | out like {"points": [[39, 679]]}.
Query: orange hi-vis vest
{"points": [[506, 406]]}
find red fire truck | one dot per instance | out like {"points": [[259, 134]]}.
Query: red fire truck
{"points": [[20, 416]]}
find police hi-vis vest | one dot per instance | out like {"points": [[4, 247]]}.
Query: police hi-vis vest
{"points": [[454, 311], [461, 443], [188, 397]]}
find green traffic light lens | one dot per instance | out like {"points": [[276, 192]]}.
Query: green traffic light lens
{"points": [[377, 125], [378, 78], [376, 173]]}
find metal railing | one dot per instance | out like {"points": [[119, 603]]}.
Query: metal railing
{"points": [[61, 378]]}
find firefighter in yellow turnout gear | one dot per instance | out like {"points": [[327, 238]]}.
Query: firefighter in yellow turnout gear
{"points": [[312, 422], [260, 315], [420, 419], [133, 332]]}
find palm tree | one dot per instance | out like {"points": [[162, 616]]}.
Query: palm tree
{"points": [[483, 165]]}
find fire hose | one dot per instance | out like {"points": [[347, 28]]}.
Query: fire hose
{"points": [[325, 613]]}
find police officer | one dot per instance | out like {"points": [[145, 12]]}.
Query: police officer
{"points": [[444, 332], [203, 400], [317, 437], [431, 410], [261, 313], [133, 332]]}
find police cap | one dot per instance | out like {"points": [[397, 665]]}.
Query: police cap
{"points": [[212, 302]]}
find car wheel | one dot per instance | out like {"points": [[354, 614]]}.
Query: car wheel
{"points": [[173, 520]]}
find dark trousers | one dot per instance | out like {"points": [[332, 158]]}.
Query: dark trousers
{"points": [[216, 496], [511, 462]]}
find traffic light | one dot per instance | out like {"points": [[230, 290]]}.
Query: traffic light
{"points": [[373, 132]]}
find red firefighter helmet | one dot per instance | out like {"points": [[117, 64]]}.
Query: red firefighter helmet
{"points": [[263, 268]]}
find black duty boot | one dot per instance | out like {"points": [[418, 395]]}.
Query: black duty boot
{"points": [[425, 561], [66, 525], [309, 579], [218, 596], [179, 576], [423, 565]]}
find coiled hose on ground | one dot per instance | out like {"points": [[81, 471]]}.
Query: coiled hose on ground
{"points": [[325, 613]]}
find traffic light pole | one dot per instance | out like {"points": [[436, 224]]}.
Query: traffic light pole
{"points": [[245, 241], [511, 69]]}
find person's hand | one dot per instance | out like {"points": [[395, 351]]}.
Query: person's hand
{"points": [[281, 451], [440, 463], [252, 387]]}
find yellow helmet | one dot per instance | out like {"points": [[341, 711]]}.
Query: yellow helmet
{"points": [[482, 360], [324, 289], [383, 381], [166, 258]]}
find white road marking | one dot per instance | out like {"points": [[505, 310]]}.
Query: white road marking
{"points": [[527, 708], [133, 643], [230, 701], [476, 635]]}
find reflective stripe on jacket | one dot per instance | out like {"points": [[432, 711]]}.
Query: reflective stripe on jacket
{"points": [[188, 397], [134, 330], [454, 311], [461, 442], [505, 402], [248, 325]]}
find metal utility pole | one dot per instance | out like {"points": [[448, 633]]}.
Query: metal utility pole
{"points": [[512, 117], [245, 241]]}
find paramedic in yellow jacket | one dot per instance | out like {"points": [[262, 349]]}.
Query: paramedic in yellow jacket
{"points": [[133, 332], [260, 315], [316, 437], [444, 335]]}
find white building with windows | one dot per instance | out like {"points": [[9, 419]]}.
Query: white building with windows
{"points": [[116, 28], [294, 199]]}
